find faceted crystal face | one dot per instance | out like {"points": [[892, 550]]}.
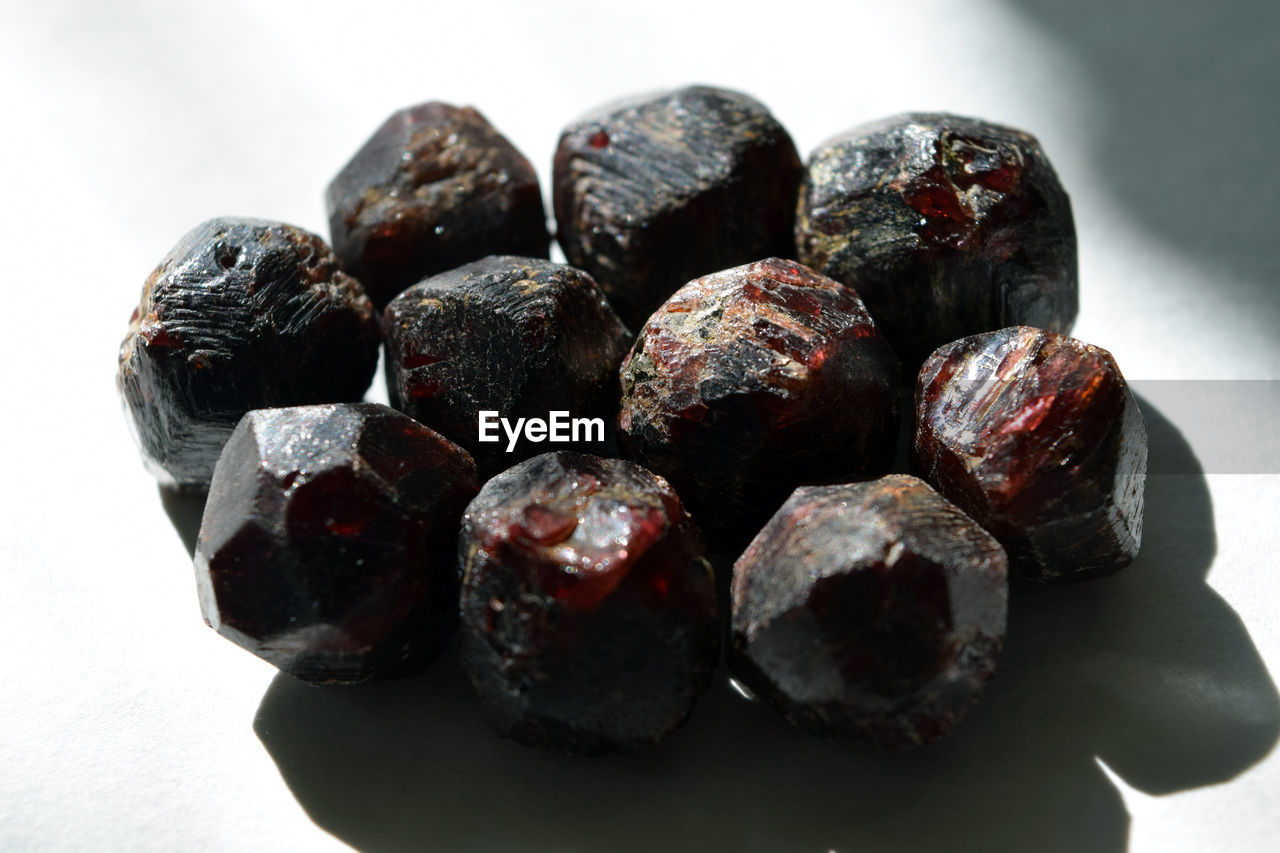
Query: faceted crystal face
{"points": [[327, 544], [435, 187], [658, 190], [242, 314], [947, 226], [1037, 436], [589, 619], [870, 612], [519, 336], [751, 381]]}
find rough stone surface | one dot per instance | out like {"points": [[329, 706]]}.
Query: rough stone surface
{"points": [[589, 620], [947, 226], [435, 187], [870, 612], [242, 314], [652, 192], [327, 544], [1036, 436], [752, 381], [520, 336]]}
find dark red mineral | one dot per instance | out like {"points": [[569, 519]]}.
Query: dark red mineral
{"points": [[1036, 436], [654, 191], [521, 337], [241, 314], [589, 620], [870, 612], [328, 542], [947, 226], [435, 187], [752, 381]]}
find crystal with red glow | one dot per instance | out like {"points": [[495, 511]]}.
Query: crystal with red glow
{"points": [[654, 191], [241, 314], [589, 619], [752, 381], [1036, 436], [435, 187], [328, 542], [947, 226], [870, 612]]}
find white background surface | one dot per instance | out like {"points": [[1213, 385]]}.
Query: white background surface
{"points": [[1136, 711]]}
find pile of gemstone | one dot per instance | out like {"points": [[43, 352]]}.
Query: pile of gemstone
{"points": [[779, 309]]}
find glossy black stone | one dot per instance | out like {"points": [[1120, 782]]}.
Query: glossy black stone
{"points": [[946, 226], [436, 186], [870, 612], [242, 314], [522, 337], [654, 191], [327, 545], [589, 618]]}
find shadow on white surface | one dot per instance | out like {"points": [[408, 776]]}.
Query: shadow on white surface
{"points": [[1188, 125], [1149, 671]]}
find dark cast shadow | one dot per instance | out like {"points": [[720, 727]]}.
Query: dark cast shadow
{"points": [[1148, 671], [1186, 92], [185, 508]]}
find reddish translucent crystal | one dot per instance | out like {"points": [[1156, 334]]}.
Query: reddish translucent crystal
{"points": [[589, 619], [751, 381], [1037, 436], [946, 226], [870, 612], [327, 544]]}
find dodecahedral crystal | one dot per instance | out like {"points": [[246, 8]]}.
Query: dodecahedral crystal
{"points": [[589, 619], [752, 381], [241, 314], [1036, 436], [435, 187], [521, 337], [870, 612], [947, 226], [654, 191], [328, 542]]}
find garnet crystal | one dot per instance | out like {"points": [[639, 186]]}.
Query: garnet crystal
{"points": [[327, 545], [519, 336], [242, 314], [947, 226], [589, 619], [870, 612], [654, 191], [435, 187], [752, 381], [1037, 436]]}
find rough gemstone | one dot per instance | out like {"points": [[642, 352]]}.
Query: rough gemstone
{"points": [[328, 543], [947, 226], [652, 192], [1036, 436], [870, 612], [436, 186], [589, 619], [752, 381], [520, 336], [242, 314]]}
